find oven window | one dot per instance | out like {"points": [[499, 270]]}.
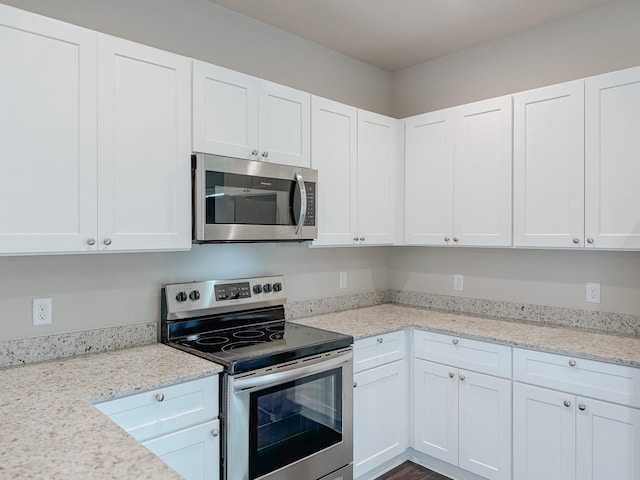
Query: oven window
{"points": [[291, 421]]}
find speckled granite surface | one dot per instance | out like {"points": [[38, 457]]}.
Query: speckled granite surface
{"points": [[50, 430], [364, 322], [39, 349]]}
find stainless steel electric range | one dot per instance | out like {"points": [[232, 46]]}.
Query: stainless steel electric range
{"points": [[286, 389]]}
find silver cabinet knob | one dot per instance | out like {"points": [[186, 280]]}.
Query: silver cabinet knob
{"points": [[380, 340], [572, 362], [362, 239], [576, 240], [107, 241], [451, 374], [265, 154], [355, 384], [446, 239], [91, 241], [254, 153], [455, 239], [355, 239], [454, 341], [582, 407], [215, 432], [159, 397], [567, 403], [462, 377], [589, 240]]}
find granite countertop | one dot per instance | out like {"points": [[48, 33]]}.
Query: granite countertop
{"points": [[50, 429], [368, 321]]}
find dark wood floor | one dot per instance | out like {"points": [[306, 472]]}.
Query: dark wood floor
{"points": [[411, 471]]}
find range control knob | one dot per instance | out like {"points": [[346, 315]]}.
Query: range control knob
{"points": [[194, 295], [257, 289], [277, 287], [181, 297], [266, 287]]}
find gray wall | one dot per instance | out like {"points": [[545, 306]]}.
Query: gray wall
{"points": [[596, 41]]}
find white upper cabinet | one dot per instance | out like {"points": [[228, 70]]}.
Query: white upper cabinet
{"points": [[548, 163], [225, 112], [458, 176], [612, 165], [429, 178], [482, 173], [377, 174], [241, 116], [94, 141], [144, 155], [47, 134], [334, 154], [355, 153]]}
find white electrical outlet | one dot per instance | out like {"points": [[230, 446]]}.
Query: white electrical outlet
{"points": [[343, 279], [593, 292], [458, 282], [42, 311]]}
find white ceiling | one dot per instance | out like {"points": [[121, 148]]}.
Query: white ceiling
{"points": [[393, 34]]}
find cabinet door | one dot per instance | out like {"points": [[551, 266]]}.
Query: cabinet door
{"points": [[334, 154], [225, 112], [482, 173], [608, 439], [429, 178], [143, 148], [193, 452], [612, 169], [377, 170], [484, 425], [435, 410], [47, 134], [548, 176], [379, 416], [544, 445], [284, 125]]}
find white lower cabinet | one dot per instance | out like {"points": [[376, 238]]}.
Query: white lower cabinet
{"points": [[178, 423], [564, 435], [380, 401], [463, 418]]}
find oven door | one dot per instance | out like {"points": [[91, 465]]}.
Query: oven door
{"points": [[238, 200], [292, 421]]}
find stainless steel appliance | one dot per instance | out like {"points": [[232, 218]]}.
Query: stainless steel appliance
{"points": [[287, 389], [237, 200]]}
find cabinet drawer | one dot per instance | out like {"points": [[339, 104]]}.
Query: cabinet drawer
{"points": [[483, 357], [606, 381], [374, 351], [164, 410]]}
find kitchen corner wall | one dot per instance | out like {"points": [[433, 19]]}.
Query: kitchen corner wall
{"points": [[593, 42]]}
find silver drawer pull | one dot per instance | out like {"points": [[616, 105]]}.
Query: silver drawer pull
{"points": [[355, 384], [451, 374], [567, 403], [572, 362], [159, 397], [582, 407], [461, 377], [454, 341], [380, 340], [215, 432]]}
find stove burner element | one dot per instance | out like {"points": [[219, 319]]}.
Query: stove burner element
{"points": [[276, 336], [211, 340], [275, 328], [249, 334]]}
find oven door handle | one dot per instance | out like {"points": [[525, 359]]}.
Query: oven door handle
{"points": [[303, 202], [289, 372]]}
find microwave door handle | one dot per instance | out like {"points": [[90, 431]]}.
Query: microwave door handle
{"points": [[303, 203]]}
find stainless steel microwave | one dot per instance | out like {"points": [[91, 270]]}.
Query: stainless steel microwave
{"points": [[237, 200]]}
